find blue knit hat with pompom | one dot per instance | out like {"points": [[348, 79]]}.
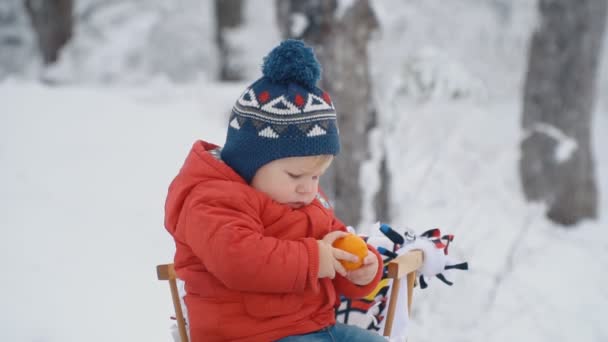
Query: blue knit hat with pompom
{"points": [[283, 114]]}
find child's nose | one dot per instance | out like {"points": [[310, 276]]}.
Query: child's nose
{"points": [[307, 187]]}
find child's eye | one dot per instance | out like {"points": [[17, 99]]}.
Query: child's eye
{"points": [[293, 175]]}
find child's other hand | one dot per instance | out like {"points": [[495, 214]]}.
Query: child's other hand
{"points": [[329, 257], [366, 273]]}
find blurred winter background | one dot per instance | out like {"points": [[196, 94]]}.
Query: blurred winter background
{"points": [[454, 117]]}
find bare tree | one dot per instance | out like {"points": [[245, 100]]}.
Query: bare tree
{"points": [[229, 16], [52, 21], [557, 165], [340, 41]]}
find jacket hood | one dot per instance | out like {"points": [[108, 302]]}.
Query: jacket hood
{"points": [[200, 166]]}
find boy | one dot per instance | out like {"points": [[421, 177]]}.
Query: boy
{"points": [[253, 233]]}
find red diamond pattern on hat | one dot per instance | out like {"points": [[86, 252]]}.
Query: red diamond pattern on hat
{"points": [[299, 100], [326, 97], [264, 97]]}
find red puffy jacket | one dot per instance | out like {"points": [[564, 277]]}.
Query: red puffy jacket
{"points": [[250, 264]]}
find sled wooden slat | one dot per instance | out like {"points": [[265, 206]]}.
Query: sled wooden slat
{"points": [[167, 272], [403, 265]]}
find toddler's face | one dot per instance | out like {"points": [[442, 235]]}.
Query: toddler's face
{"points": [[293, 181]]}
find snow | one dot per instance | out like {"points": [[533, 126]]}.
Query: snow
{"points": [[564, 146], [85, 172], [86, 166], [299, 22]]}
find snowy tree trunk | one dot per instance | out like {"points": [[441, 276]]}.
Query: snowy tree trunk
{"points": [[229, 17], [557, 165], [52, 21], [382, 204], [340, 41]]}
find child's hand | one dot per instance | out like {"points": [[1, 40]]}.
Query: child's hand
{"points": [[329, 257], [366, 273]]}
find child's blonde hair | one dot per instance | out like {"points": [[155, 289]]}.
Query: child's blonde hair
{"points": [[321, 159]]}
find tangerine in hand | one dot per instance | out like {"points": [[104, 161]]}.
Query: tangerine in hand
{"points": [[354, 245]]}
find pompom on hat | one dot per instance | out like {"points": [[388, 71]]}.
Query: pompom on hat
{"points": [[283, 114]]}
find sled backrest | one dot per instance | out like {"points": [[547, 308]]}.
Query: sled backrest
{"points": [[402, 266]]}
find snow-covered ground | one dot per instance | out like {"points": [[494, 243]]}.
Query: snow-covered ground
{"points": [[83, 179], [85, 171]]}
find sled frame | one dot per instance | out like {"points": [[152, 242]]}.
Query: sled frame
{"points": [[167, 272], [403, 266]]}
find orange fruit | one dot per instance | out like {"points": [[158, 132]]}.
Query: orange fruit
{"points": [[354, 245]]}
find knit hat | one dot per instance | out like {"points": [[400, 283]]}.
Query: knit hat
{"points": [[283, 114]]}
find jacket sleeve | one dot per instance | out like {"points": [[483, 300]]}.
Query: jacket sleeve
{"points": [[346, 287], [226, 235]]}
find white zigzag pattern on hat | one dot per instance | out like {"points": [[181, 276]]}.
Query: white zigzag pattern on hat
{"points": [[316, 131], [310, 106], [244, 112], [235, 124], [252, 102], [291, 108], [268, 133]]}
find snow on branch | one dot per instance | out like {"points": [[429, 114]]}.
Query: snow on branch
{"points": [[565, 146]]}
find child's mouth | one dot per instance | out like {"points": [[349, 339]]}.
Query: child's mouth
{"points": [[296, 205]]}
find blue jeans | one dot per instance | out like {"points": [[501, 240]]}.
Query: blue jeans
{"points": [[337, 333]]}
